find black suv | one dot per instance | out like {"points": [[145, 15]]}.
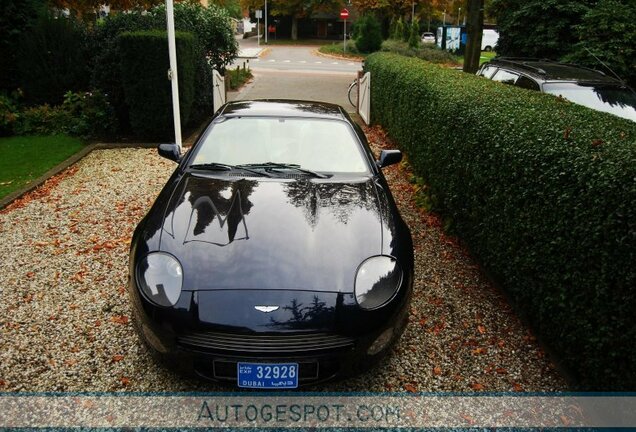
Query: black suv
{"points": [[578, 84]]}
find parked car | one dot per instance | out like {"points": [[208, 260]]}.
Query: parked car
{"points": [[428, 38], [581, 85], [275, 255]]}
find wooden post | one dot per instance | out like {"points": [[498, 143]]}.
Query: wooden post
{"points": [[474, 30]]}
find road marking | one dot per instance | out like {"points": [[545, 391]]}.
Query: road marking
{"points": [[334, 63], [318, 62], [302, 61], [286, 61], [257, 60], [271, 61], [350, 64]]}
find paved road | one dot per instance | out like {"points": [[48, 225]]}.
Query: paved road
{"points": [[297, 72]]}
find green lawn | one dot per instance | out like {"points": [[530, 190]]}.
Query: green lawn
{"points": [[335, 48], [23, 159]]}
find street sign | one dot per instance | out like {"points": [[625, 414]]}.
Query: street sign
{"points": [[259, 14], [344, 14]]}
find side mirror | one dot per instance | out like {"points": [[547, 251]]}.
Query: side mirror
{"points": [[170, 151], [389, 157]]}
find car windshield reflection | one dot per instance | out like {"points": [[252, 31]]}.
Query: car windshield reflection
{"points": [[617, 100], [312, 145]]}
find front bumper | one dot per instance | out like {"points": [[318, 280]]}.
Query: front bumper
{"points": [[213, 354]]}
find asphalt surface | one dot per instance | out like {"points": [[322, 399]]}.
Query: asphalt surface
{"points": [[297, 72]]}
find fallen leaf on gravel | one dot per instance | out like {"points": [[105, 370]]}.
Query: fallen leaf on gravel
{"points": [[124, 380], [3, 383], [98, 323], [468, 418], [70, 362], [30, 275], [479, 351], [501, 371], [517, 387], [437, 371], [423, 322], [119, 319], [477, 386], [117, 358], [481, 329], [410, 388]]}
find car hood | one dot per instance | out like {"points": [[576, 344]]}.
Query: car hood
{"points": [[278, 234]]}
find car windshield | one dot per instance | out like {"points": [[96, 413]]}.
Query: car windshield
{"points": [[617, 100], [318, 145]]}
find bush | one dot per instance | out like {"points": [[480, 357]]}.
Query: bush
{"points": [[423, 52], [215, 47], [414, 37], [9, 114], [543, 192], [16, 20], [609, 32], [83, 115], [144, 62], [369, 34], [53, 59]]}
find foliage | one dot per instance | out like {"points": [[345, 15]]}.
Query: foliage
{"points": [[214, 45], [106, 74], [429, 53], [235, 78], [369, 34], [26, 158], [9, 114], [81, 114], [398, 30], [16, 19], [144, 62], [337, 49], [543, 192], [414, 37], [52, 58], [537, 28], [82, 7], [608, 31]]}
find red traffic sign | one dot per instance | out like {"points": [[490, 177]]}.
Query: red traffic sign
{"points": [[344, 14]]}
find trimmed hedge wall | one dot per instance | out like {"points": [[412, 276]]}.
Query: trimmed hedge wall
{"points": [[147, 90], [544, 193]]}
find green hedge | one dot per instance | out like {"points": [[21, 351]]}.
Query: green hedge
{"points": [[544, 193], [147, 90]]}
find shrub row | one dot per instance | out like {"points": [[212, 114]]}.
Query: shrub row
{"points": [[144, 63], [543, 191], [423, 52]]}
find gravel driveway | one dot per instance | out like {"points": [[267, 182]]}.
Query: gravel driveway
{"points": [[64, 310]]}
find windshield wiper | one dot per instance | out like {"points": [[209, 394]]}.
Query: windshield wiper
{"points": [[214, 166], [295, 167]]}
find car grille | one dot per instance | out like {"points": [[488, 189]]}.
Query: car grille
{"points": [[265, 344]]}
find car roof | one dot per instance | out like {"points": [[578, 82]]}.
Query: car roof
{"points": [[283, 108], [552, 70]]}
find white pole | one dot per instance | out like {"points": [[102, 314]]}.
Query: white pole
{"points": [[172, 72], [258, 31], [266, 28], [344, 43]]}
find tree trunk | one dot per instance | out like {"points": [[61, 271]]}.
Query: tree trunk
{"points": [[294, 29], [474, 30]]}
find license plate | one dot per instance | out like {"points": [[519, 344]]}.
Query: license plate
{"points": [[267, 375]]}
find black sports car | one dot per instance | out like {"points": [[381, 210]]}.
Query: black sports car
{"points": [[275, 255]]}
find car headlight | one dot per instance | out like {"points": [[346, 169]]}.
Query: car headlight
{"points": [[160, 277], [377, 281]]}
